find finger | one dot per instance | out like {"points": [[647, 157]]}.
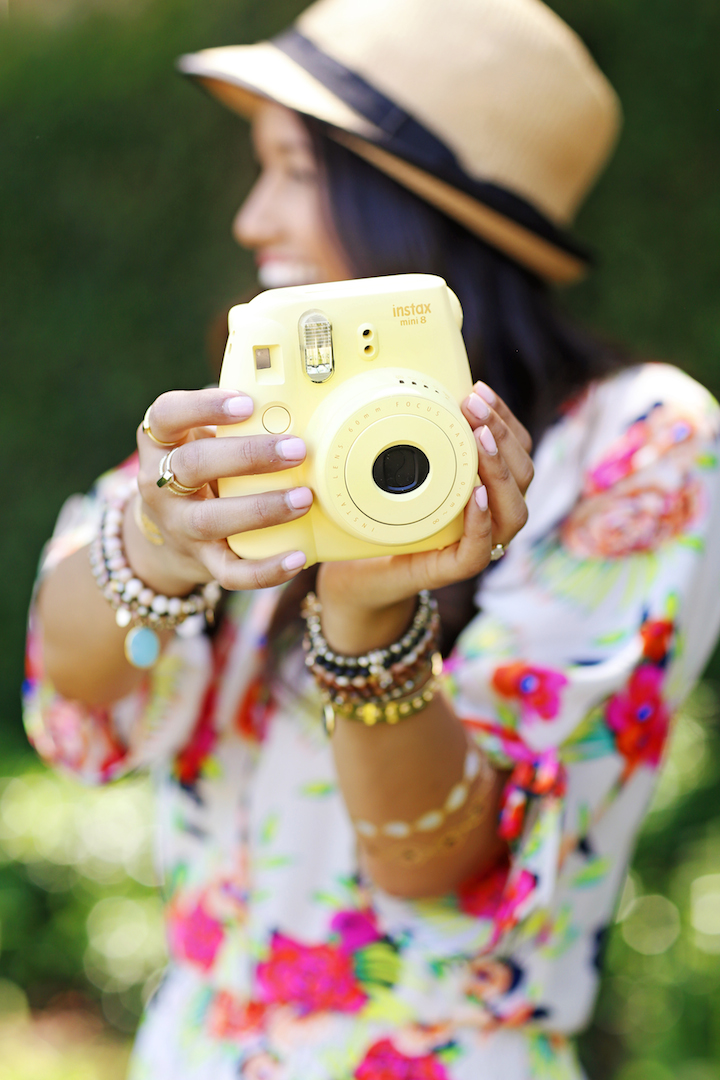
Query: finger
{"points": [[237, 574], [215, 519], [507, 505], [479, 414], [203, 460], [483, 391], [472, 553], [175, 413]]}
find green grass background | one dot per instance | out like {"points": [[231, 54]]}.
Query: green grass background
{"points": [[118, 183]]}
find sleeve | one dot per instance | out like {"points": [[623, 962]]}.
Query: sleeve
{"points": [[151, 725], [591, 633]]}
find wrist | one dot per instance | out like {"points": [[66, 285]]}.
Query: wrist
{"points": [[352, 630], [162, 568]]}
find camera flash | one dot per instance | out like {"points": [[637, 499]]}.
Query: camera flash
{"points": [[316, 346]]}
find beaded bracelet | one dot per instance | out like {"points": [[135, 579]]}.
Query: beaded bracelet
{"points": [[383, 686], [402, 673], [367, 677], [397, 705], [136, 605]]}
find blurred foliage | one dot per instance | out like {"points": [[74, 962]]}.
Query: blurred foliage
{"points": [[118, 184]]}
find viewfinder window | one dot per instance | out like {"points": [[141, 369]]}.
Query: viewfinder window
{"points": [[262, 358]]}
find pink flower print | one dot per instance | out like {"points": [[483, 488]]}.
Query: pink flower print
{"points": [[194, 935], [636, 519], [383, 1062], [482, 895], [618, 462], [356, 928], [537, 689], [645, 441], [639, 719], [312, 977], [508, 914]]}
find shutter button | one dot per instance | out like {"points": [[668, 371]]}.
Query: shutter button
{"points": [[276, 420]]}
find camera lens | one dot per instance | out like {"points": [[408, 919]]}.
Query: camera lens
{"points": [[400, 469]]}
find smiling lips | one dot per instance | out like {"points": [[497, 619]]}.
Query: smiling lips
{"points": [[276, 273]]}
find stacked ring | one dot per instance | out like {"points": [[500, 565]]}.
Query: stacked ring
{"points": [[148, 432], [497, 552], [167, 477]]}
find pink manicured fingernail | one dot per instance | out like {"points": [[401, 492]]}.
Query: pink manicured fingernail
{"points": [[300, 498], [240, 407], [294, 561], [484, 391], [488, 441], [477, 407], [291, 449], [481, 497]]}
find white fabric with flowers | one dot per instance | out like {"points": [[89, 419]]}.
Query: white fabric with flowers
{"points": [[285, 962]]}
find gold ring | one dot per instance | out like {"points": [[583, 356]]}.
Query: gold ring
{"points": [[498, 551], [167, 477], [148, 432]]}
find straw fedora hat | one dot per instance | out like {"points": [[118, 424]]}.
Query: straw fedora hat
{"points": [[491, 110]]}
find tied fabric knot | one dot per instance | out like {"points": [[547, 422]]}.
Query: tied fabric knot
{"points": [[535, 776]]}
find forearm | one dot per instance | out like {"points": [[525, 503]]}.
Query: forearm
{"points": [[400, 773], [83, 647]]}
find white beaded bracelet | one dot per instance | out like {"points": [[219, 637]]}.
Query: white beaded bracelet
{"points": [[136, 605]]}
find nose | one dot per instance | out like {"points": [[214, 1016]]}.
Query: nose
{"points": [[256, 223]]}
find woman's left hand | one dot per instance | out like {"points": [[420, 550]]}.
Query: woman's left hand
{"points": [[374, 597]]}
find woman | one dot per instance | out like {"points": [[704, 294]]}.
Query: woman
{"points": [[425, 899]]}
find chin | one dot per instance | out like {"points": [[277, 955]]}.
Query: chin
{"points": [[278, 275]]}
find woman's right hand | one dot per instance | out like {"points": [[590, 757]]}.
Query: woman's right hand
{"points": [[194, 527]]}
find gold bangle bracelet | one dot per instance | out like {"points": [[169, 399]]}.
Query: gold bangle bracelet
{"points": [[392, 711]]}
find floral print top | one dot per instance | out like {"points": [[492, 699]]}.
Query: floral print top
{"points": [[286, 962]]}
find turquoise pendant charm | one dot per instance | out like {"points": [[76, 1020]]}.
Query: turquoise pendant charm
{"points": [[142, 647]]}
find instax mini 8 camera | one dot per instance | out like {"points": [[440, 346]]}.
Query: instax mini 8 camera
{"points": [[370, 373]]}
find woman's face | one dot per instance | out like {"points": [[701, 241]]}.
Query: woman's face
{"points": [[283, 219]]}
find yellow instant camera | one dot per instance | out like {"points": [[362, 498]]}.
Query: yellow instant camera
{"points": [[370, 373]]}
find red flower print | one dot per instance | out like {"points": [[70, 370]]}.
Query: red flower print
{"points": [[481, 895], [639, 719], [508, 914], [253, 715], [537, 689], [656, 635], [356, 928], [189, 763], [512, 813], [312, 977], [194, 935], [384, 1062], [229, 1017]]}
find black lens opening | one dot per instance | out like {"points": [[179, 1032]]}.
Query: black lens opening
{"points": [[400, 469]]}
